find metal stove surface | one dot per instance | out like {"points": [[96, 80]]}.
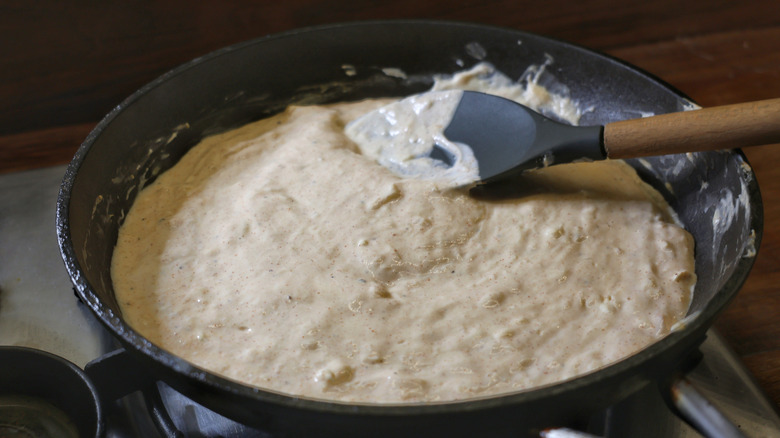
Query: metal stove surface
{"points": [[38, 309]]}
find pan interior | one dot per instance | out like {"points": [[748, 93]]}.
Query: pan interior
{"points": [[714, 194]]}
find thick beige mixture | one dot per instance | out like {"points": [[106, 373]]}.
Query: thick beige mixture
{"points": [[279, 256]]}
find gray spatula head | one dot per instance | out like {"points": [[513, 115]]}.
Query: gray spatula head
{"points": [[508, 138]]}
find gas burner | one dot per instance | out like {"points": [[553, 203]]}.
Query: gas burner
{"points": [[39, 310]]}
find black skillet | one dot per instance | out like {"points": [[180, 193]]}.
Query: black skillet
{"points": [[715, 195]]}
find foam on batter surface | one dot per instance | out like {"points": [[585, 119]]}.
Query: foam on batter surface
{"points": [[280, 256]]}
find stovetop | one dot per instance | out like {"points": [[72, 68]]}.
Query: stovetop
{"points": [[38, 309]]}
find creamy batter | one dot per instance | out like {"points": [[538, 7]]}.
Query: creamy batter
{"points": [[281, 256], [401, 135]]}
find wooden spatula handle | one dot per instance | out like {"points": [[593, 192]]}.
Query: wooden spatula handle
{"points": [[723, 127]]}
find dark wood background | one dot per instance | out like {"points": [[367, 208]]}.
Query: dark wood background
{"points": [[64, 64]]}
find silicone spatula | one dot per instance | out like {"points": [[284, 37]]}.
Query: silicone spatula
{"points": [[507, 137]]}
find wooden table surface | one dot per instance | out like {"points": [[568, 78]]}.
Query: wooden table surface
{"points": [[63, 65]]}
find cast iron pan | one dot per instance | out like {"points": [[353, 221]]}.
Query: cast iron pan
{"points": [[715, 195]]}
